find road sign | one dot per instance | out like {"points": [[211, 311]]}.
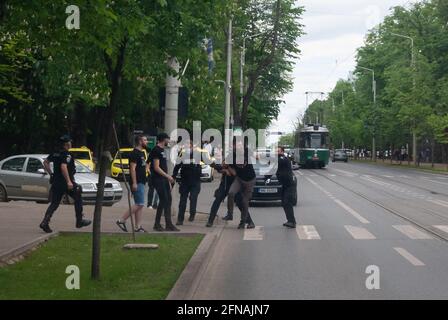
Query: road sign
{"points": [[152, 141]]}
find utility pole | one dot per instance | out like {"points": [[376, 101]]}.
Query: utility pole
{"points": [[315, 92], [172, 85], [374, 107], [414, 133], [228, 88], [172, 96]]}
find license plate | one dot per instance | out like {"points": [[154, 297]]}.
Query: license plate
{"points": [[267, 190], [108, 193], [126, 171]]}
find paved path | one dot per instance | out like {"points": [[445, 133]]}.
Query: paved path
{"points": [[19, 220]]}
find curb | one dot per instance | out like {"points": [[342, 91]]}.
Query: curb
{"points": [[16, 254], [189, 280]]}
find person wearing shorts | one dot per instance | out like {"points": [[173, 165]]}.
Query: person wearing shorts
{"points": [[137, 170]]}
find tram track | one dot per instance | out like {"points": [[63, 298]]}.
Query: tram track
{"points": [[388, 209], [407, 184]]}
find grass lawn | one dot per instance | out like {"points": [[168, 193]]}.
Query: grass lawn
{"points": [[125, 274]]}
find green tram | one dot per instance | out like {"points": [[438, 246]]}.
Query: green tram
{"points": [[311, 148]]}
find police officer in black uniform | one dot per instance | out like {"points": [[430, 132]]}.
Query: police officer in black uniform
{"points": [[63, 182], [289, 191], [190, 183]]}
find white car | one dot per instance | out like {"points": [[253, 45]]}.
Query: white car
{"points": [[23, 177]]}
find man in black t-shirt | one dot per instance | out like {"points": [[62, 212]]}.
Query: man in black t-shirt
{"points": [[162, 182], [63, 182], [137, 170]]}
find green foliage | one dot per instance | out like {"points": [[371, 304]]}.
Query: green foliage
{"points": [[410, 98], [145, 275]]}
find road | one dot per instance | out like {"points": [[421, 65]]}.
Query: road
{"points": [[350, 216]]}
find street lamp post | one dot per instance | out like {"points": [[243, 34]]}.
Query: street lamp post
{"points": [[414, 134], [228, 88], [374, 106]]}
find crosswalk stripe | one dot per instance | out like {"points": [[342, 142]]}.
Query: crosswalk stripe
{"points": [[307, 232], [254, 234], [360, 233], [405, 254], [443, 228], [412, 232]]}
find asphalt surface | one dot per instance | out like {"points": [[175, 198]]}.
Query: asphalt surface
{"points": [[350, 216]]}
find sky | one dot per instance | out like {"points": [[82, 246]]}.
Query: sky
{"points": [[334, 30]]}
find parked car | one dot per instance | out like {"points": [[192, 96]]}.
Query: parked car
{"points": [[23, 177], [85, 156], [340, 155], [116, 168], [267, 187], [207, 171]]}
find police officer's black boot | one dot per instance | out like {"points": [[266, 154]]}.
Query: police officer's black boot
{"points": [[209, 224], [228, 217], [250, 222], [242, 224], [80, 223], [45, 224], [191, 218]]}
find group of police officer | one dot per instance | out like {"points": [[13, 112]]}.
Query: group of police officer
{"points": [[236, 184]]}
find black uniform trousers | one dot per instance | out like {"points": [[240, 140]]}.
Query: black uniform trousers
{"points": [[188, 189], [163, 189], [288, 198], [57, 191]]}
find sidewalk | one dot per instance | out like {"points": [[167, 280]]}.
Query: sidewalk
{"points": [[19, 220], [438, 167]]}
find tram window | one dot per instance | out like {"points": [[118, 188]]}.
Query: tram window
{"points": [[316, 140]]}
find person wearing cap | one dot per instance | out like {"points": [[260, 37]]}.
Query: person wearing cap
{"points": [[63, 182], [190, 183], [162, 182]]}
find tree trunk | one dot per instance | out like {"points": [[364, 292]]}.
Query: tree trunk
{"points": [[80, 124], [114, 77]]}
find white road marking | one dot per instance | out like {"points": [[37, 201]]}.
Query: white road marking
{"points": [[350, 174], [340, 203], [254, 234], [307, 233], [439, 202], [351, 211], [412, 232], [405, 254], [440, 182], [360, 233], [300, 172], [443, 228]]}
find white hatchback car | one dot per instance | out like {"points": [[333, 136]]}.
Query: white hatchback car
{"points": [[23, 177]]}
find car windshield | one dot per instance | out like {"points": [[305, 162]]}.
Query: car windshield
{"points": [[81, 155], [264, 169], [80, 168], [124, 155]]}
